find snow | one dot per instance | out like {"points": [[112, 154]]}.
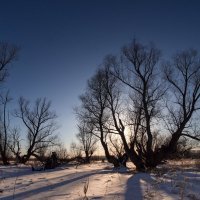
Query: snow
{"points": [[104, 182]]}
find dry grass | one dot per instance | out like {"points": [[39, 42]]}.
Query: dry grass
{"points": [[85, 189], [183, 164], [197, 164], [171, 172]]}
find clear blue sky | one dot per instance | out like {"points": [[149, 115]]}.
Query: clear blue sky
{"points": [[63, 41]]}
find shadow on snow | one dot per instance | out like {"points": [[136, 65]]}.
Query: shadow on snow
{"points": [[33, 192]]}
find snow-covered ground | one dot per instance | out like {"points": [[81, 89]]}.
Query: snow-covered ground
{"points": [[169, 182]]}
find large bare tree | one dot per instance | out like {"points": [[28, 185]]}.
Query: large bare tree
{"points": [[118, 122], [161, 106], [40, 124], [139, 69], [183, 77], [94, 110]]}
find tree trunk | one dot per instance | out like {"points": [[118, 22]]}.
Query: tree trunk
{"points": [[4, 158], [135, 159], [87, 157], [23, 159], [111, 159]]}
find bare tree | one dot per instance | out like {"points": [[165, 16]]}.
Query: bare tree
{"points": [[4, 128], [183, 76], [8, 54], [138, 70], [75, 150], [15, 143], [40, 124], [116, 146], [95, 111], [62, 152], [87, 139]]}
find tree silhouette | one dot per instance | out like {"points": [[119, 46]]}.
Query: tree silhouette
{"points": [[40, 124], [161, 107]]}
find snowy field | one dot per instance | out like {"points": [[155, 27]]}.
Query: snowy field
{"points": [[172, 181]]}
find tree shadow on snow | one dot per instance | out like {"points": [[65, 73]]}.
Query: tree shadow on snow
{"points": [[141, 185], [33, 192], [133, 188], [18, 171]]}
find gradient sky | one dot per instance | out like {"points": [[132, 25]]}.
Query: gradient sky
{"points": [[63, 42]]}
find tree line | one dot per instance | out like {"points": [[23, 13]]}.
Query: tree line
{"points": [[136, 105], [142, 106], [38, 119]]}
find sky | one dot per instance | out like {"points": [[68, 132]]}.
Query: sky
{"points": [[62, 42]]}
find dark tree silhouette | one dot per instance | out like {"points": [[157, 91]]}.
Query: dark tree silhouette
{"points": [[15, 143], [137, 69], [8, 54], [4, 129], [86, 139], [117, 123], [157, 128], [40, 124], [94, 110], [116, 146], [183, 77]]}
